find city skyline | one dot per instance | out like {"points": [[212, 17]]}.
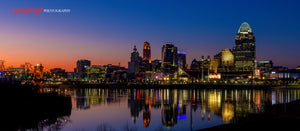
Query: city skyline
{"points": [[105, 32]]}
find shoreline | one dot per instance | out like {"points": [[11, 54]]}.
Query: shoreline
{"points": [[173, 86], [287, 87], [279, 116]]}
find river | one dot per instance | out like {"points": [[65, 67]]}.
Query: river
{"points": [[163, 109]]}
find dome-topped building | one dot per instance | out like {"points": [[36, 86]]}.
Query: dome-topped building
{"points": [[245, 27], [244, 48]]}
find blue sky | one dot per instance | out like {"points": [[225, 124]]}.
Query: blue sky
{"points": [[105, 31]]}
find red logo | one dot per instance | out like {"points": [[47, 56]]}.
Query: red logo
{"points": [[26, 10]]}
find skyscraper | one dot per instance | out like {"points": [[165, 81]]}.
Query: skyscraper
{"points": [[146, 61], [133, 65], [81, 67], [181, 56], [169, 58], [147, 52], [244, 48]]}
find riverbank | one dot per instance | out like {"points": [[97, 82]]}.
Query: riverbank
{"points": [[172, 86], [287, 87], [281, 116]]}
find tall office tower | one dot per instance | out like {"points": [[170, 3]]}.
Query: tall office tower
{"points": [[169, 58], [146, 60], [81, 67], [147, 52], [244, 49], [181, 56], [133, 65]]}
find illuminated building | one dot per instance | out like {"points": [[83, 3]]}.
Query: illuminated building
{"points": [[58, 72], [226, 60], [15, 73], [145, 64], [244, 49], [265, 68], [213, 66], [96, 72], [181, 56], [298, 68], [134, 64], [38, 71], [115, 72], [169, 58], [81, 67], [289, 74], [147, 52]]}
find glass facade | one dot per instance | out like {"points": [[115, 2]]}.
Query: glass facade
{"points": [[169, 58], [244, 49]]}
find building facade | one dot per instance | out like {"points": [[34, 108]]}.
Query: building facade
{"points": [[134, 64], [96, 72], [38, 71], [58, 72], [265, 68], [147, 52], [81, 67], [169, 58], [145, 64], [156, 65], [195, 65], [225, 60], [244, 49], [181, 56]]}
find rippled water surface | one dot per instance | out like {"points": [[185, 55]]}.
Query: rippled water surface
{"points": [[164, 109]]}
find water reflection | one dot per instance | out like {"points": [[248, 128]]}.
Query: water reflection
{"points": [[176, 106], [53, 123]]}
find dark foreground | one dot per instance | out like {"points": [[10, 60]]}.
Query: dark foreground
{"points": [[25, 108], [281, 116]]}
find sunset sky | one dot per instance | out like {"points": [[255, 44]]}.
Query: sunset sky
{"points": [[105, 31]]}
